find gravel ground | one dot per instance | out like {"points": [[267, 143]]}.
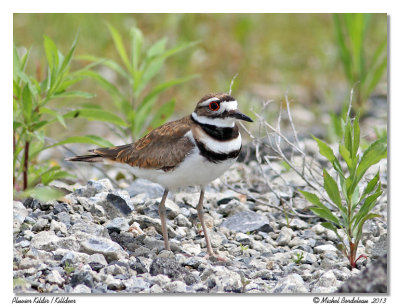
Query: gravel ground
{"points": [[101, 239]]}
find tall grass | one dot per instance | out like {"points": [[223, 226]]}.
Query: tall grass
{"points": [[362, 68]]}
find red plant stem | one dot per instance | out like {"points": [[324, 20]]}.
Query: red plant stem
{"points": [[353, 253], [26, 158]]}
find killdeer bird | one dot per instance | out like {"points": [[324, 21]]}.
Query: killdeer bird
{"points": [[190, 151]]}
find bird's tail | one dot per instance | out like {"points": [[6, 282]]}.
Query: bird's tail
{"points": [[100, 154]]}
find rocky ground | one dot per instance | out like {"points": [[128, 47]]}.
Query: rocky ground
{"points": [[101, 239]]}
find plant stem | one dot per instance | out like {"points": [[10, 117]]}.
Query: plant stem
{"points": [[26, 158], [13, 154]]}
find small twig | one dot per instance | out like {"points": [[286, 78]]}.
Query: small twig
{"points": [[281, 135]]}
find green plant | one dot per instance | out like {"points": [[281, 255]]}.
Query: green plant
{"points": [[243, 247], [137, 100], [353, 205], [299, 257], [351, 33], [69, 269], [288, 220], [336, 124], [33, 113]]}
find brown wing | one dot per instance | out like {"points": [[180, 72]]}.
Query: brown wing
{"points": [[163, 148]]}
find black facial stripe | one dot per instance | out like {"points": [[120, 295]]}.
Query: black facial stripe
{"points": [[214, 157], [219, 133]]}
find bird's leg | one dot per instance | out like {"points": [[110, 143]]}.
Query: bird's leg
{"points": [[200, 213], [163, 218]]}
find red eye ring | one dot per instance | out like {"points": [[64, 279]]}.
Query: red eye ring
{"points": [[214, 106]]}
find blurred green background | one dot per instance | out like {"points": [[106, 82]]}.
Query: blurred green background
{"points": [[273, 54]]}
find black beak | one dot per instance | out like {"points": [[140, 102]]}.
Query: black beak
{"points": [[239, 115]]}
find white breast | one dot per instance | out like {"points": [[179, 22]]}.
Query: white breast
{"points": [[194, 170]]}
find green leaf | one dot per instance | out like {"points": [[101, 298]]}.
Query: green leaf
{"points": [[374, 153], [38, 125], [27, 103], [331, 227], [136, 40], [346, 156], [348, 141], [67, 60], [59, 117], [355, 197], [16, 63], [377, 68], [325, 214], [142, 115], [51, 53], [370, 186], [344, 51], [44, 194], [163, 113], [74, 94], [52, 174], [19, 64], [17, 124], [333, 190], [89, 139], [366, 207], [324, 149], [180, 48], [96, 114], [106, 85], [356, 137], [148, 73], [361, 224], [160, 88], [157, 48], [106, 62], [155, 59], [311, 197], [119, 44]]}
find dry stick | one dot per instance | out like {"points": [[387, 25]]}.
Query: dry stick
{"points": [[283, 156], [232, 81], [278, 145], [280, 134], [291, 121], [268, 185], [294, 129]]}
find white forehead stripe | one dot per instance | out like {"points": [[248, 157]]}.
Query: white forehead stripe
{"points": [[226, 122], [206, 102], [229, 105]]}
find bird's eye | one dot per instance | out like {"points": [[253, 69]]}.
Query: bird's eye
{"points": [[214, 106]]}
